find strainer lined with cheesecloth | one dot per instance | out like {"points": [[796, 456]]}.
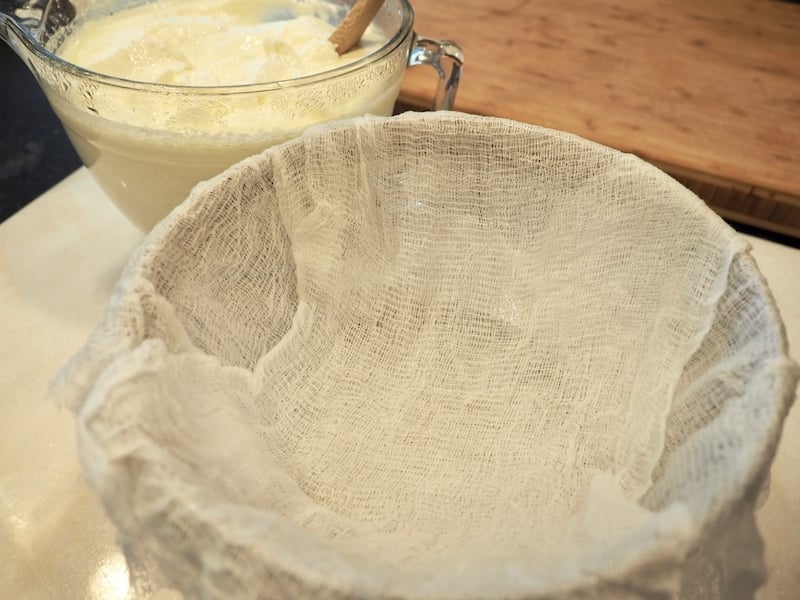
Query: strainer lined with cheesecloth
{"points": [[437, 356]]}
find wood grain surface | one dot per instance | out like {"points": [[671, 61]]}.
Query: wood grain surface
{"points": [[709, 91]]}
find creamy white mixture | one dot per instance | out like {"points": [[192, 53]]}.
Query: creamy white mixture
{"points": [[213, 42], [148, 147]]}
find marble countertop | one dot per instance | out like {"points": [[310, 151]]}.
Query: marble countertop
{"points": [[59, 258]]}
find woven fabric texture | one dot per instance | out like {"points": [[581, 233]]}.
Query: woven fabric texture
{"points": [[437, 356]]}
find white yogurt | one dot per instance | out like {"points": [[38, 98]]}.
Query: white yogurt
{"points": [[147, 149], [214, 42]]}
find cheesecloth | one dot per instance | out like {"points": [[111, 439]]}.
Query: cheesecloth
{"points": [[437, 356]]}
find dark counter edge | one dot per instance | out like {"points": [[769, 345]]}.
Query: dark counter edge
{"points": [[35, 153]]}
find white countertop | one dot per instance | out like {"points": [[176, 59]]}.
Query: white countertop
{"points": [[59, 258]]}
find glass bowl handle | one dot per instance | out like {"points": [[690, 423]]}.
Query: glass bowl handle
{"points": [[447, 58], [36, 19]]}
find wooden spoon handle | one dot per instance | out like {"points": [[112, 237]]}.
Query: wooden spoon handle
{"points": [[353, 25]]}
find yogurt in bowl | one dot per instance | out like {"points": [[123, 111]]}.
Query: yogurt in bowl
{"points": [[214, 42], [159, 95]]}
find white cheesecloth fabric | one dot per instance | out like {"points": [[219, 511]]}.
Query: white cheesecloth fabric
{"points": [[437, 356]]}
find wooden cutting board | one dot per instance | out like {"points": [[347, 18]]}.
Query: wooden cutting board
{"points": [[708, 91]]}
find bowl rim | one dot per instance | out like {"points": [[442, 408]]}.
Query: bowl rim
{"points": [[34, 49]]}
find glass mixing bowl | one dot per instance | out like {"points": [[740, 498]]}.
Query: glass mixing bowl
{"points": [[148, 144]]}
